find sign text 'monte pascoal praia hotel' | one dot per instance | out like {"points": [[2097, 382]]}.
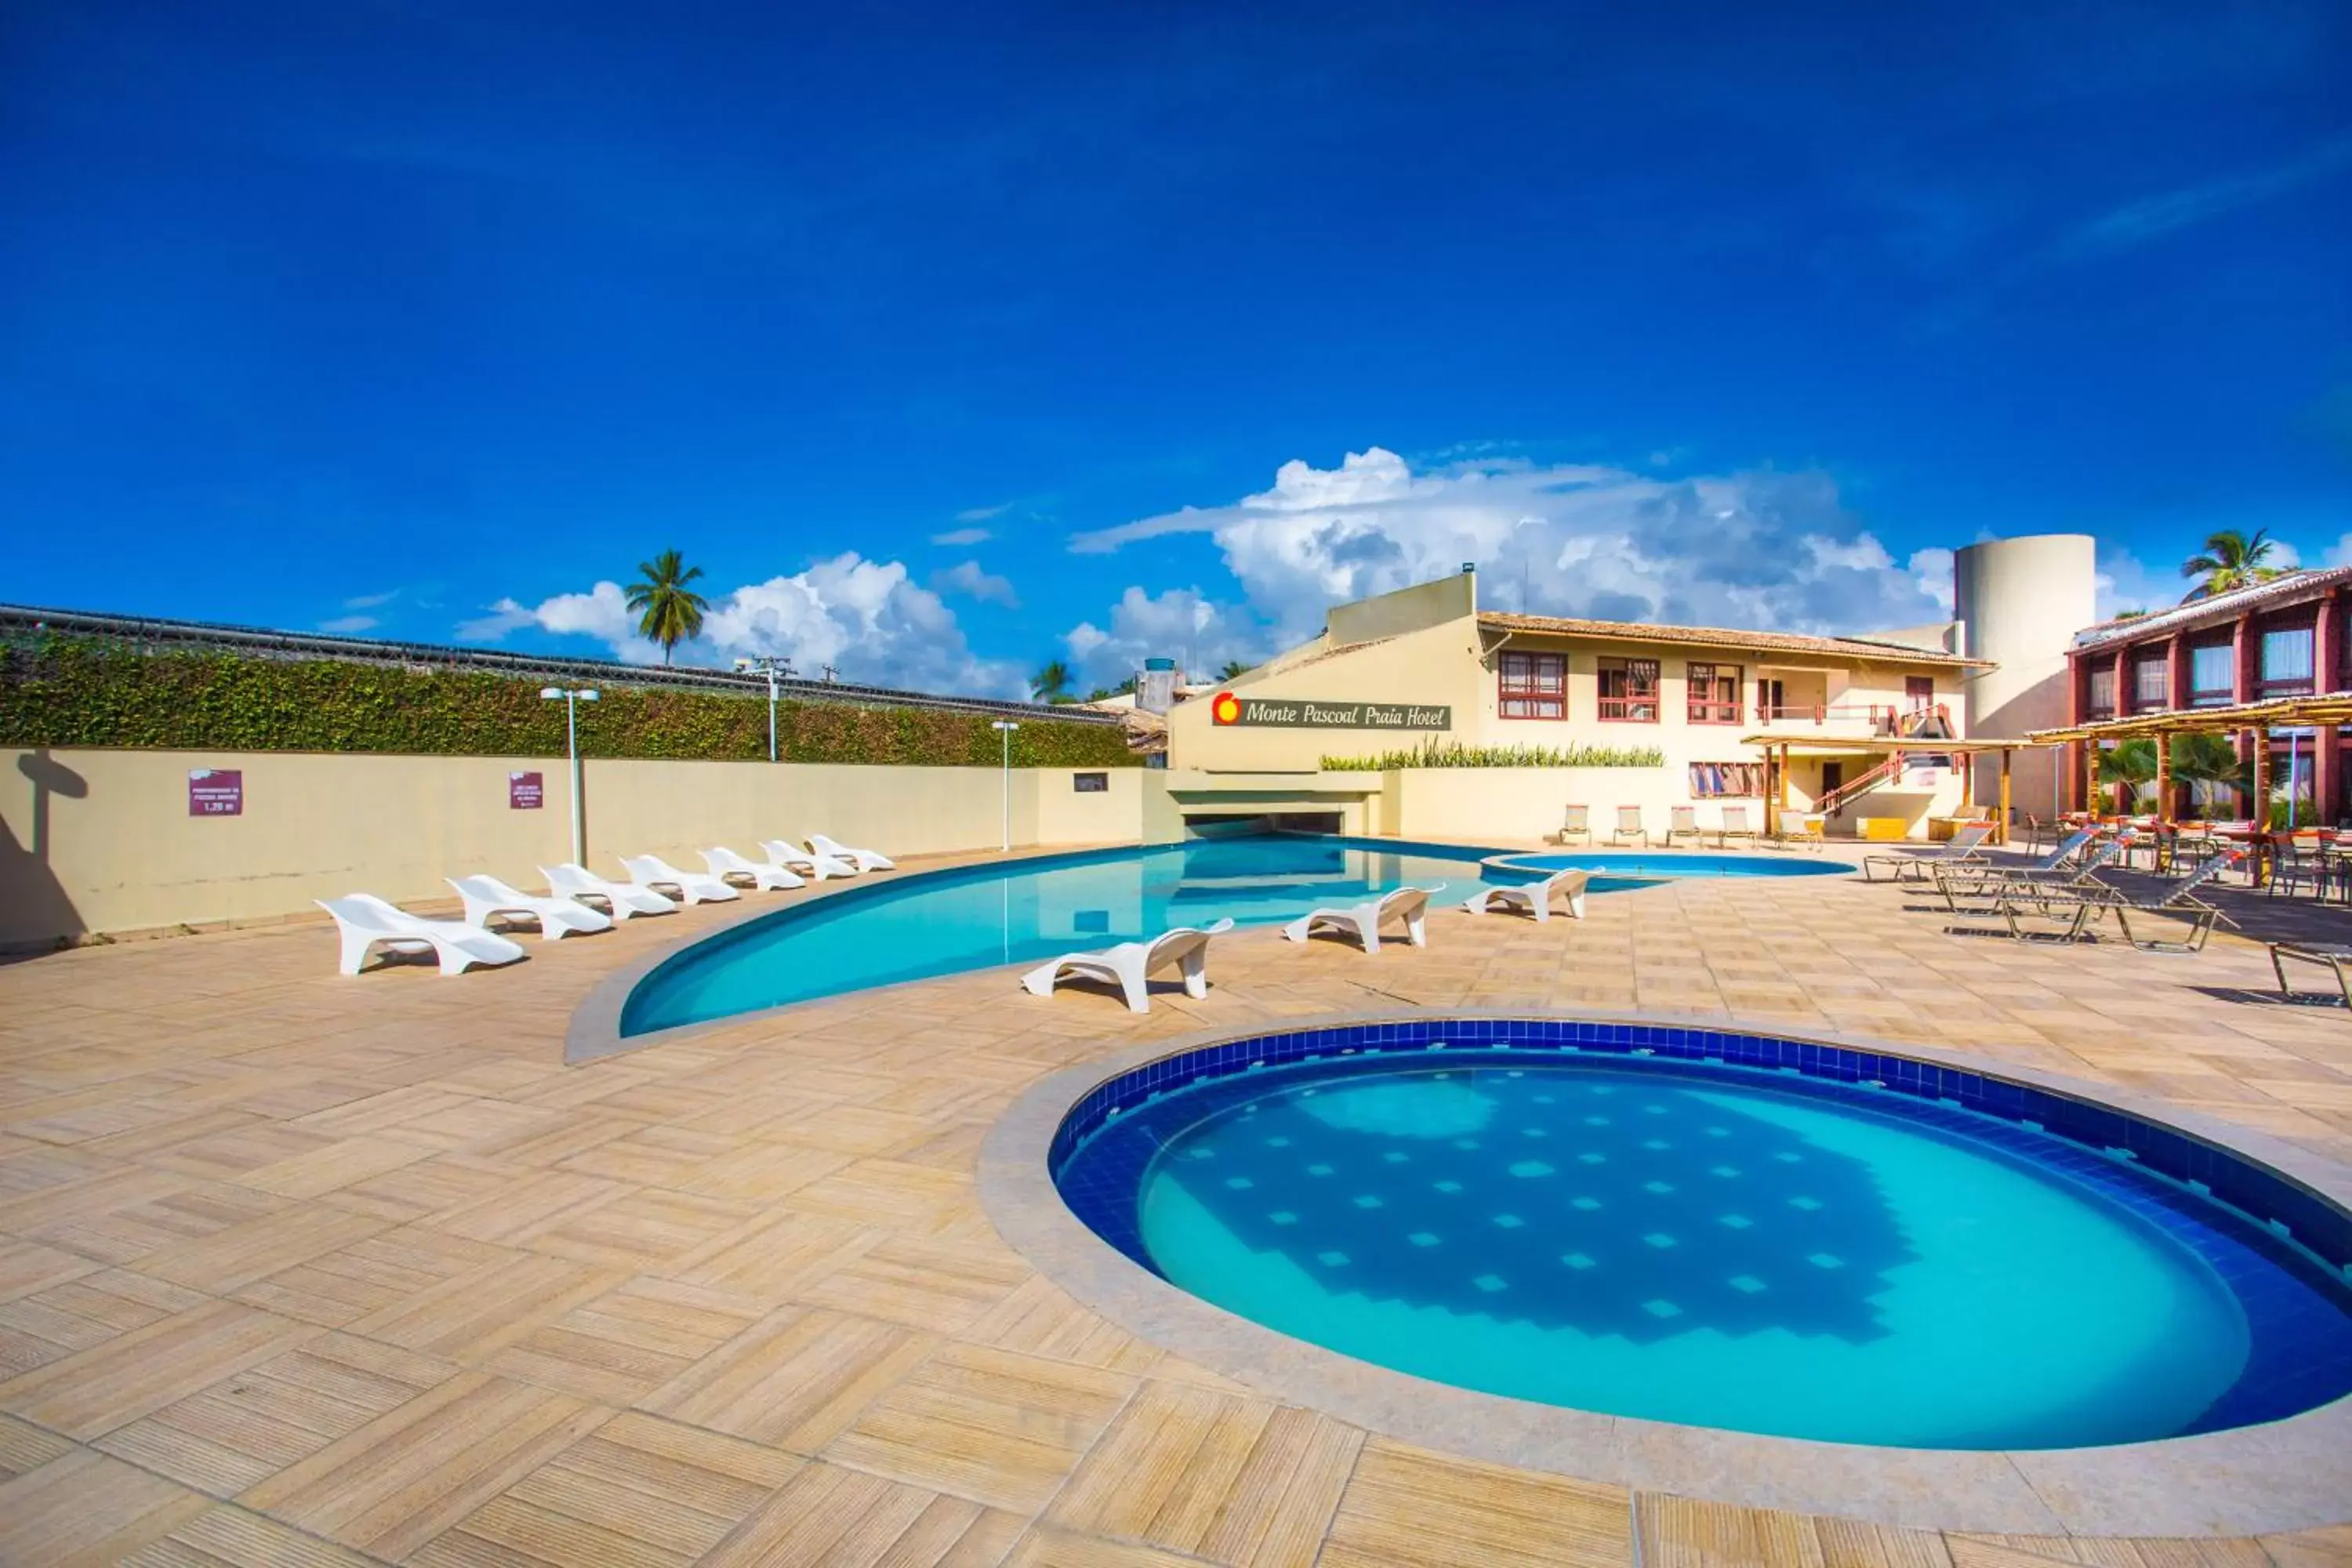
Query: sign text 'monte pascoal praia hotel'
{"points": [[1294, 713]]}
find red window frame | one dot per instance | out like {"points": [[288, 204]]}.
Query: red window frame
{"points": [[1531, 685], [1714, 692], [1629, 691]]}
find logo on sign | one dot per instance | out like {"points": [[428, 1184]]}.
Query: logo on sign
{"points": [[1226, 708], [525, 792], [216, 792]]}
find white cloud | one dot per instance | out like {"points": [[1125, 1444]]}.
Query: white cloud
{"points": [[1763, 549], [863, 618], [983, 513], [346, 625], [371, 601], [970, 581], [960, 536], [2124, 583], [1932, 567], [1177, 624]]}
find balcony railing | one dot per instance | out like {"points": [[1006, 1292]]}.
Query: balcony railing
{"points": [[1630, 709]]}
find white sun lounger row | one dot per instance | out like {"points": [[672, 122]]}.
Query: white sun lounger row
{"points": [[364, 922]]}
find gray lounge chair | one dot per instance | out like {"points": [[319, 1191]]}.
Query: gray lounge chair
{"points": [[2079, 909], [1578, 824], [1965, 846], [2332, 959]]}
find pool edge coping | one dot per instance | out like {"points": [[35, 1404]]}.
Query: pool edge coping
{"points": [[2287, 1475], [592, 1032]]}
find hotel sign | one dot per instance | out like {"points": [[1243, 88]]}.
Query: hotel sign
{"points": [[1297, 713]]}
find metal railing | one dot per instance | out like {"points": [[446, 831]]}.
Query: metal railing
{"points": [[21, 625]]}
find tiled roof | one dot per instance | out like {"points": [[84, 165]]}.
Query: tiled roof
{"points": [[2220, 607], [1722, 636]]}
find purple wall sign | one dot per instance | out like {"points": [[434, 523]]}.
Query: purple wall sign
{"points": [[216, 792], [526, 792]]}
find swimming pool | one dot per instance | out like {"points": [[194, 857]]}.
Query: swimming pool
{"points": [[943, 922], [1723, 1230], [1630, 868]]}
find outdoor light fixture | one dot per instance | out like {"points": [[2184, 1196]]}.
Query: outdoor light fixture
{"points": [[1005, 727], [572, 697], [770, 668]]}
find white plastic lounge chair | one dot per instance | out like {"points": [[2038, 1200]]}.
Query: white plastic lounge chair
{"points": [[1967, 843], [1534, 897], [1734, 826], [1126, 964], [623, 899], [364, 920], [1364, 920], [725, 863], [1578, 824], [1628, 826], [487, 896], [693, 887], [792, 857], [1681, 822], [863, 860]]}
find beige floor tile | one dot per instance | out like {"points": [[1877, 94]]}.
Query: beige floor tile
{"points": [[95, 1390], [1408, 1506], [827, 1517], [395, 1483], [88, 1509], [795, 1379], [997, 1428]]}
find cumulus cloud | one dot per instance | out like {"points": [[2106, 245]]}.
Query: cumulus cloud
{"points": [[971, 581], [962, 536], [1178, 624], [865, 619], [2125, 582], [1762, 548]]}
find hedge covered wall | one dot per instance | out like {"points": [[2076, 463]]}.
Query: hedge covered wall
{"points": [[63, 692]]}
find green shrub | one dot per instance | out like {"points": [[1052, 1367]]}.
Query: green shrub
{"points": [[74, 692], [1455, 754]]}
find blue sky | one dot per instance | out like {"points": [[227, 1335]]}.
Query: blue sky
{"points": [[951, 339]]}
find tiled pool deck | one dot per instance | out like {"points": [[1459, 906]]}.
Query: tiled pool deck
{"points": [[296, 1268]]}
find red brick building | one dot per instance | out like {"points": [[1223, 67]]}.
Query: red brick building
{"points": [[2287, 637]]}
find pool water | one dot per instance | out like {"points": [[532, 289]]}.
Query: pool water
{"points": [[1713, 1247], [1611, 867], [943, 922]]}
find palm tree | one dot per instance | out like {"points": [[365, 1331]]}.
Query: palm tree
{"points": [[2230, 560], [2131, 763], [2211, 761], [668, 612], [1234, 670], [1051, 684]]}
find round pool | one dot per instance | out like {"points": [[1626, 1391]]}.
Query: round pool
{"points": [[1724, 1230]]}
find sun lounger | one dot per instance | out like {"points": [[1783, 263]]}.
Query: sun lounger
{"points": [[2332, 959], [792, 857], [1964, 845], [2077, 910], [1734, 826], [863, 860], [1807, 829], [693, 887], [1578, 824], [1982, 882], [487, 896], [1536, 897], [725, 865], [1681, 822], [623, 899], [1364, 920], [1128, 965], [1628, 826], [364, 922]]}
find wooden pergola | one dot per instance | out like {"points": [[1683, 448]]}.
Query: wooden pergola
{"points": [[1778, 748], [2317, 712]]}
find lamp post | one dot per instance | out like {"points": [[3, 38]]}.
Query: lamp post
{"points": [[1005, 727], [572, 696], [770, 668]]}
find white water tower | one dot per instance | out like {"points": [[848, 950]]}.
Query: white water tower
{"points": [[2018, 602]]}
